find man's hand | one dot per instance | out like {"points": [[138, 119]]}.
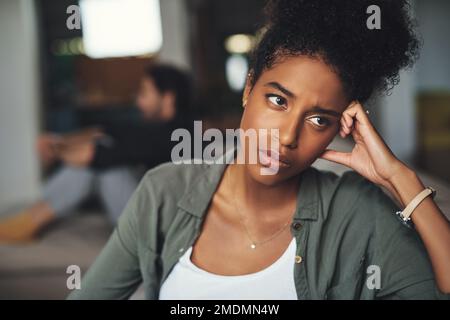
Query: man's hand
{"points": [[46, 146], [85, 135], [76, 149], [78, 154]]}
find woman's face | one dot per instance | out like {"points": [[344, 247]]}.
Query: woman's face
{"points": [[302, 98]]}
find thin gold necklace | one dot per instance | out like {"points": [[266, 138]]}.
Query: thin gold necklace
{"points": [[253, 243]]}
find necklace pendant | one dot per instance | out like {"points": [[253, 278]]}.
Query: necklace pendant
{"points": [[253, 246]]}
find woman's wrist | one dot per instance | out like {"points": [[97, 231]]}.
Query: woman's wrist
{"points": [[406, 184], [395, 196]]}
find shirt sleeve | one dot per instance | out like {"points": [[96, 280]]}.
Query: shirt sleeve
{"points": [[115, 274], [405, 267]]}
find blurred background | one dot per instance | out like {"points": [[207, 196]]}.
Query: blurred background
{"points": [[56, 77]]}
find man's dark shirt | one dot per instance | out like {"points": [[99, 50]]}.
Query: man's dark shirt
{"points": [[148, 143]]}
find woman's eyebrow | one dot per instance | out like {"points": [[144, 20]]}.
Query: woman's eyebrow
{"points": [[278, 86], [317, 109]]}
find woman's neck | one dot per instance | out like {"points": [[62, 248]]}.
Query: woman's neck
{"points": [[262, 202]]}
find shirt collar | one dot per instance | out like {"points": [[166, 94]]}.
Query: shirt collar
{"points": [[197, 198]]}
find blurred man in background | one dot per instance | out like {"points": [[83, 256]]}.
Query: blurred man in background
{"points": [[102, 160]]}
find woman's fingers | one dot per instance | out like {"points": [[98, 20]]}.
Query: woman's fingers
{"points": [[345, 128], [348, 120], [354, 113], [337, 156], [366, 131]]}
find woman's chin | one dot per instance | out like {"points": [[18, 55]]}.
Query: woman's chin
{"points": [[267, 175]]}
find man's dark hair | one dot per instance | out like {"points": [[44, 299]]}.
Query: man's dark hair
{"points": [[336, 32], [169, 78]]}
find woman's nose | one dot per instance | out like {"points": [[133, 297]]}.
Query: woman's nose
{"points": [[289, 133]]}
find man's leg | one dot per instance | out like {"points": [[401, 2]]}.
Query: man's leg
{"points": [[67, 188], [62, 193], [115, 187]]}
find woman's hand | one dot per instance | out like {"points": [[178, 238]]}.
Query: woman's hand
{"points": [[370, 157]]}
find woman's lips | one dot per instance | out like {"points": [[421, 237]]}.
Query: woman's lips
{"points": [[271, 158]]}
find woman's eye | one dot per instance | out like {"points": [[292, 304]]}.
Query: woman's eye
{"points": [[277, 100], [320, 121]]}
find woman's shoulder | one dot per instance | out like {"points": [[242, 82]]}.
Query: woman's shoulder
{"points": [[348, 180], [350, 193], [348, 184], [171, 170], [155, 202], [172, 177]]}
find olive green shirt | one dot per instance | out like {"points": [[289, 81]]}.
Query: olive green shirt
{"points": [[346, 232]]}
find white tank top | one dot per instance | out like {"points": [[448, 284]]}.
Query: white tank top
{"points": [[187, 281]]}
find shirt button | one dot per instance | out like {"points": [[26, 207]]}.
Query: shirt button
{"points": [[296, 225], [298, 259]]}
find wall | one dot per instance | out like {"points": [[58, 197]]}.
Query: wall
{"points": [[396, 117], [434, 64], [175, 48], [19, 172]]}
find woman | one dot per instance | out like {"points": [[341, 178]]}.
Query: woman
{"points": [[220, 231]]}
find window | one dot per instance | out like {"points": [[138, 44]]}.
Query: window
{"points": [[120, 28]]}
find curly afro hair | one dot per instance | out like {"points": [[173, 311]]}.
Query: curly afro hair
{"points": [[336, 31]]}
